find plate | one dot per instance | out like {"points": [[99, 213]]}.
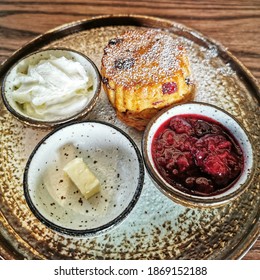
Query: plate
{"points": [[157, 228]]}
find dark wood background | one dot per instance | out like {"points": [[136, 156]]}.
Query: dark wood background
{"points": [[235, 23]]}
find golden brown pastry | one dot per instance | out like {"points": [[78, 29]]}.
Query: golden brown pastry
{"points": [[144, 71]]}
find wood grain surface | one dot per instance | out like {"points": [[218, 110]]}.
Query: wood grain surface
{"points": [[235, 24]]}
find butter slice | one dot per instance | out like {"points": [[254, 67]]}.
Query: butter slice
{"points": [[82, 177]]}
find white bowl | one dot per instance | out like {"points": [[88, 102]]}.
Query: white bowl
{"points": [[48, 120], [227, 121], [109, 153]]}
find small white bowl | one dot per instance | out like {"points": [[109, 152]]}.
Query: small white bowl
{"points": [[47, 121], [109, 153], [227, 121]]}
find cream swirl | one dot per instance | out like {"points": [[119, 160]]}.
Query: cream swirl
{"points": [[52, 88]]}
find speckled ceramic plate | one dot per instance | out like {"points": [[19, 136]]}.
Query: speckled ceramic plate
{"points": [[157, 228]]}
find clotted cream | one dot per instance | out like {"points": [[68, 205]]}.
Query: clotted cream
{"points": [[52, 88]]}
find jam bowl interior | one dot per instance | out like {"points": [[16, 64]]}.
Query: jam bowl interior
{"points": [[227, 122], [67, 95], [58, 203]]}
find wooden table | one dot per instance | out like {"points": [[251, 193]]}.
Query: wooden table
{"points": [[235, 24]]}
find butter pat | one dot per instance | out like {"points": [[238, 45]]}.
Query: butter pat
{"points": [[82, 177]]}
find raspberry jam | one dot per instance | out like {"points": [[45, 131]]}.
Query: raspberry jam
{"points": [[197, 155]]}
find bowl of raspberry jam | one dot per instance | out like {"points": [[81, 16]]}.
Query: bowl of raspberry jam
{"points": [[198, 155]]}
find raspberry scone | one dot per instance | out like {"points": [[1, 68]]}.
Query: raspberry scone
{"points": [[143, 72]]}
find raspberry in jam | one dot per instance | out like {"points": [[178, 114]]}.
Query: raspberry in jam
{"points": [[197, 155]]}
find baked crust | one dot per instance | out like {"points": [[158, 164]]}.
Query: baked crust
{"points": [[144, 71]]}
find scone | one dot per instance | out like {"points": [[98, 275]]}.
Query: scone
{"points": [[144, 71]]}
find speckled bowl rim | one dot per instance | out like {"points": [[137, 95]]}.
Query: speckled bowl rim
{"points": [[94, 231], [181, 197], [49, 124]]}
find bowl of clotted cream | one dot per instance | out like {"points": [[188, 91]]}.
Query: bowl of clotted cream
{"points": [[51, 87]]}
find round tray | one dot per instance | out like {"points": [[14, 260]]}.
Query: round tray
{"points": [[157, 228]]}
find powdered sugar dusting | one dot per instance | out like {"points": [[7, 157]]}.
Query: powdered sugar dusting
{"points": [[141, 56]]}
